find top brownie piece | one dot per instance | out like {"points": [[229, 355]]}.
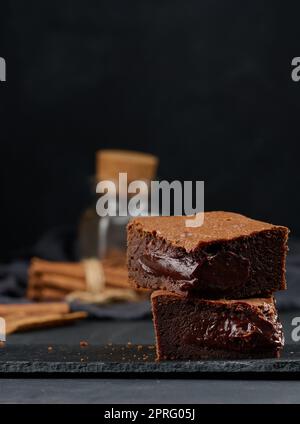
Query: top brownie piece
{"points": [[229, 256]]}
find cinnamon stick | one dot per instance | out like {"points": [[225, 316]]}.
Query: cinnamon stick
{"points": [[29, 323], [58, 281], [74, 272], [54, 280], [69, 269], [34, 308], [46, 293]]}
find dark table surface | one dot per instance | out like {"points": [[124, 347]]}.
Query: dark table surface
{"points": [[136, 390]]}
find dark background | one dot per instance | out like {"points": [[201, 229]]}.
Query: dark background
{"points": [[205, 85]]}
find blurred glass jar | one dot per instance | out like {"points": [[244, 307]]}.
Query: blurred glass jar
{"points": [[104, 237]]}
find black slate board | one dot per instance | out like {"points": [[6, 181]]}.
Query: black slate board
{"points": [[129, 359]]}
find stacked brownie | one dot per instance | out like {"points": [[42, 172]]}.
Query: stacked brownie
{"points": [[213, 285]]}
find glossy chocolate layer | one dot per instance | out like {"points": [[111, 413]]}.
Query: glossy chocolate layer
{"points": [[235, 332], [221, 270]]}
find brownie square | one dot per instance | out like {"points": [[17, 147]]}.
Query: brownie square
{"points": [[193, 329], [230, 256]]}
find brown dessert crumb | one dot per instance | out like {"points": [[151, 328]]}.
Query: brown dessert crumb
{"points": [[83, 343]]}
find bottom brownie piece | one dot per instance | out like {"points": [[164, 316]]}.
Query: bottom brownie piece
{"points": [[192, 329]]}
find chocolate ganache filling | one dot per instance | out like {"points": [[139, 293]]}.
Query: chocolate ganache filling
{"points": [[235, 332], [222, 270]]}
